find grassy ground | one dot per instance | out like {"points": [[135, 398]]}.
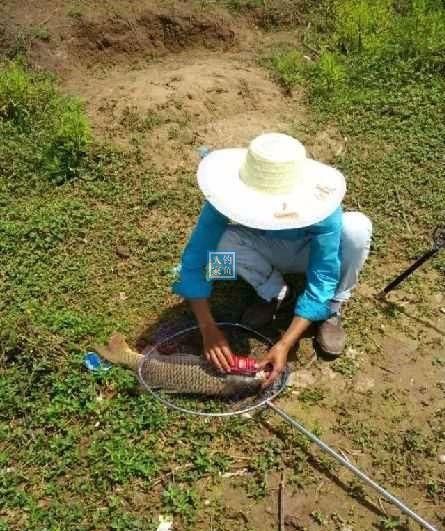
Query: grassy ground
{"points": [[90, 452]]}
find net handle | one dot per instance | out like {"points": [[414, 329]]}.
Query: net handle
{"points": [[262, 403]]}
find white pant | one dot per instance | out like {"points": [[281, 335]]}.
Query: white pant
{"points": [[261, 261]]}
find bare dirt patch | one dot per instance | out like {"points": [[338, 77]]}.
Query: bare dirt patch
{"points": [[162, 80], [385, 418], [183, 101]]}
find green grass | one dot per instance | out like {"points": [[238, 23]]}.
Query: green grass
{"points": [[180, 501], [47, 134], [311, 396], [67, 203], [287, 66], [345, 366], [385, 95]]}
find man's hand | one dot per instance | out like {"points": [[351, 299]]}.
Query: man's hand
{"points": [[216, 348], [277, 357]]}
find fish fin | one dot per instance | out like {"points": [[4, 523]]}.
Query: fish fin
{"points": [[118, 351], [104, 352]]}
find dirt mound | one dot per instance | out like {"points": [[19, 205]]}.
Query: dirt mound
{"points": [[151, 33], [97, 36], [174, 105]]}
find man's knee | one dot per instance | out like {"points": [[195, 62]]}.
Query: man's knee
{"points": [[357, 230]]}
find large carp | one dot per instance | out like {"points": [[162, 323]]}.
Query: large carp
{"points": [[181, 373]]}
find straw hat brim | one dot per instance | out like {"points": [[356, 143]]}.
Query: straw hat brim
{"points": [[319, 191]]}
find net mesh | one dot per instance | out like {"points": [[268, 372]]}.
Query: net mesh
{"points": [[189, 370]]}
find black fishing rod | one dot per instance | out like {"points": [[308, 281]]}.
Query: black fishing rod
{"points": [[438, 244]]}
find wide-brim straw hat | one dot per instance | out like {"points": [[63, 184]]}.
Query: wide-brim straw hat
{"points": [[271, 185]]}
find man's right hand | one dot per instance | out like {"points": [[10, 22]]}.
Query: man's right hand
{"points": [[216, 348]]}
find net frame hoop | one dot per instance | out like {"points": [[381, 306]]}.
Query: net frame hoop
{"points": [[262, 403]]}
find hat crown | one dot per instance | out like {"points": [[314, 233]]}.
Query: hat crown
{"points": [[273, 163]]}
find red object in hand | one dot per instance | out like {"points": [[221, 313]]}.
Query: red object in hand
{"points": [[243, 365]]}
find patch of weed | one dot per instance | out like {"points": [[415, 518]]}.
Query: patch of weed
{"points": [[41, 33], [364, 435], [414, 441], [75, 12], [58, 144], [287, 66], [205, 462], [319, 518], [266, 460], [181, 501], [311, 395], [134, 121], [329, 74], [391, 522], [346, 366], [435, 489]]}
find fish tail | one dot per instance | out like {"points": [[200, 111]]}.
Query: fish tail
{"points": [[118, 351]]}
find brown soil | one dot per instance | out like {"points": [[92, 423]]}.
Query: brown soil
{"points": [[63, 36], [186, 100], [152, 33], [395, 392], [165, 79]]}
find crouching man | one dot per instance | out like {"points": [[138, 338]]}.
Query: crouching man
{"points": [[280, 212]]}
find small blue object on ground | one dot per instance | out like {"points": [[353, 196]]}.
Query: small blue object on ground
{"points": [[94, 363]]}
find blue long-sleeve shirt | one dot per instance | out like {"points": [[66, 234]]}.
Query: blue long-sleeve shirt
{"points": [[323, 272]]}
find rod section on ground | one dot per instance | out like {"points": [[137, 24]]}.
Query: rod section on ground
{"points": [[387, 495]]}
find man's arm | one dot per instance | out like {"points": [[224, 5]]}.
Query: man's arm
{"points": [[193, 285], [277, 355], [323, 272], [323, 275], [192, 282]]}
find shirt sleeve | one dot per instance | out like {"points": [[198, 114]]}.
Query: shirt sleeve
{"points": [[323, 272], [192, 282]]}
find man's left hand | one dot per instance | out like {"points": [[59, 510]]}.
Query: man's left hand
{"points": [[277, 357]]}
